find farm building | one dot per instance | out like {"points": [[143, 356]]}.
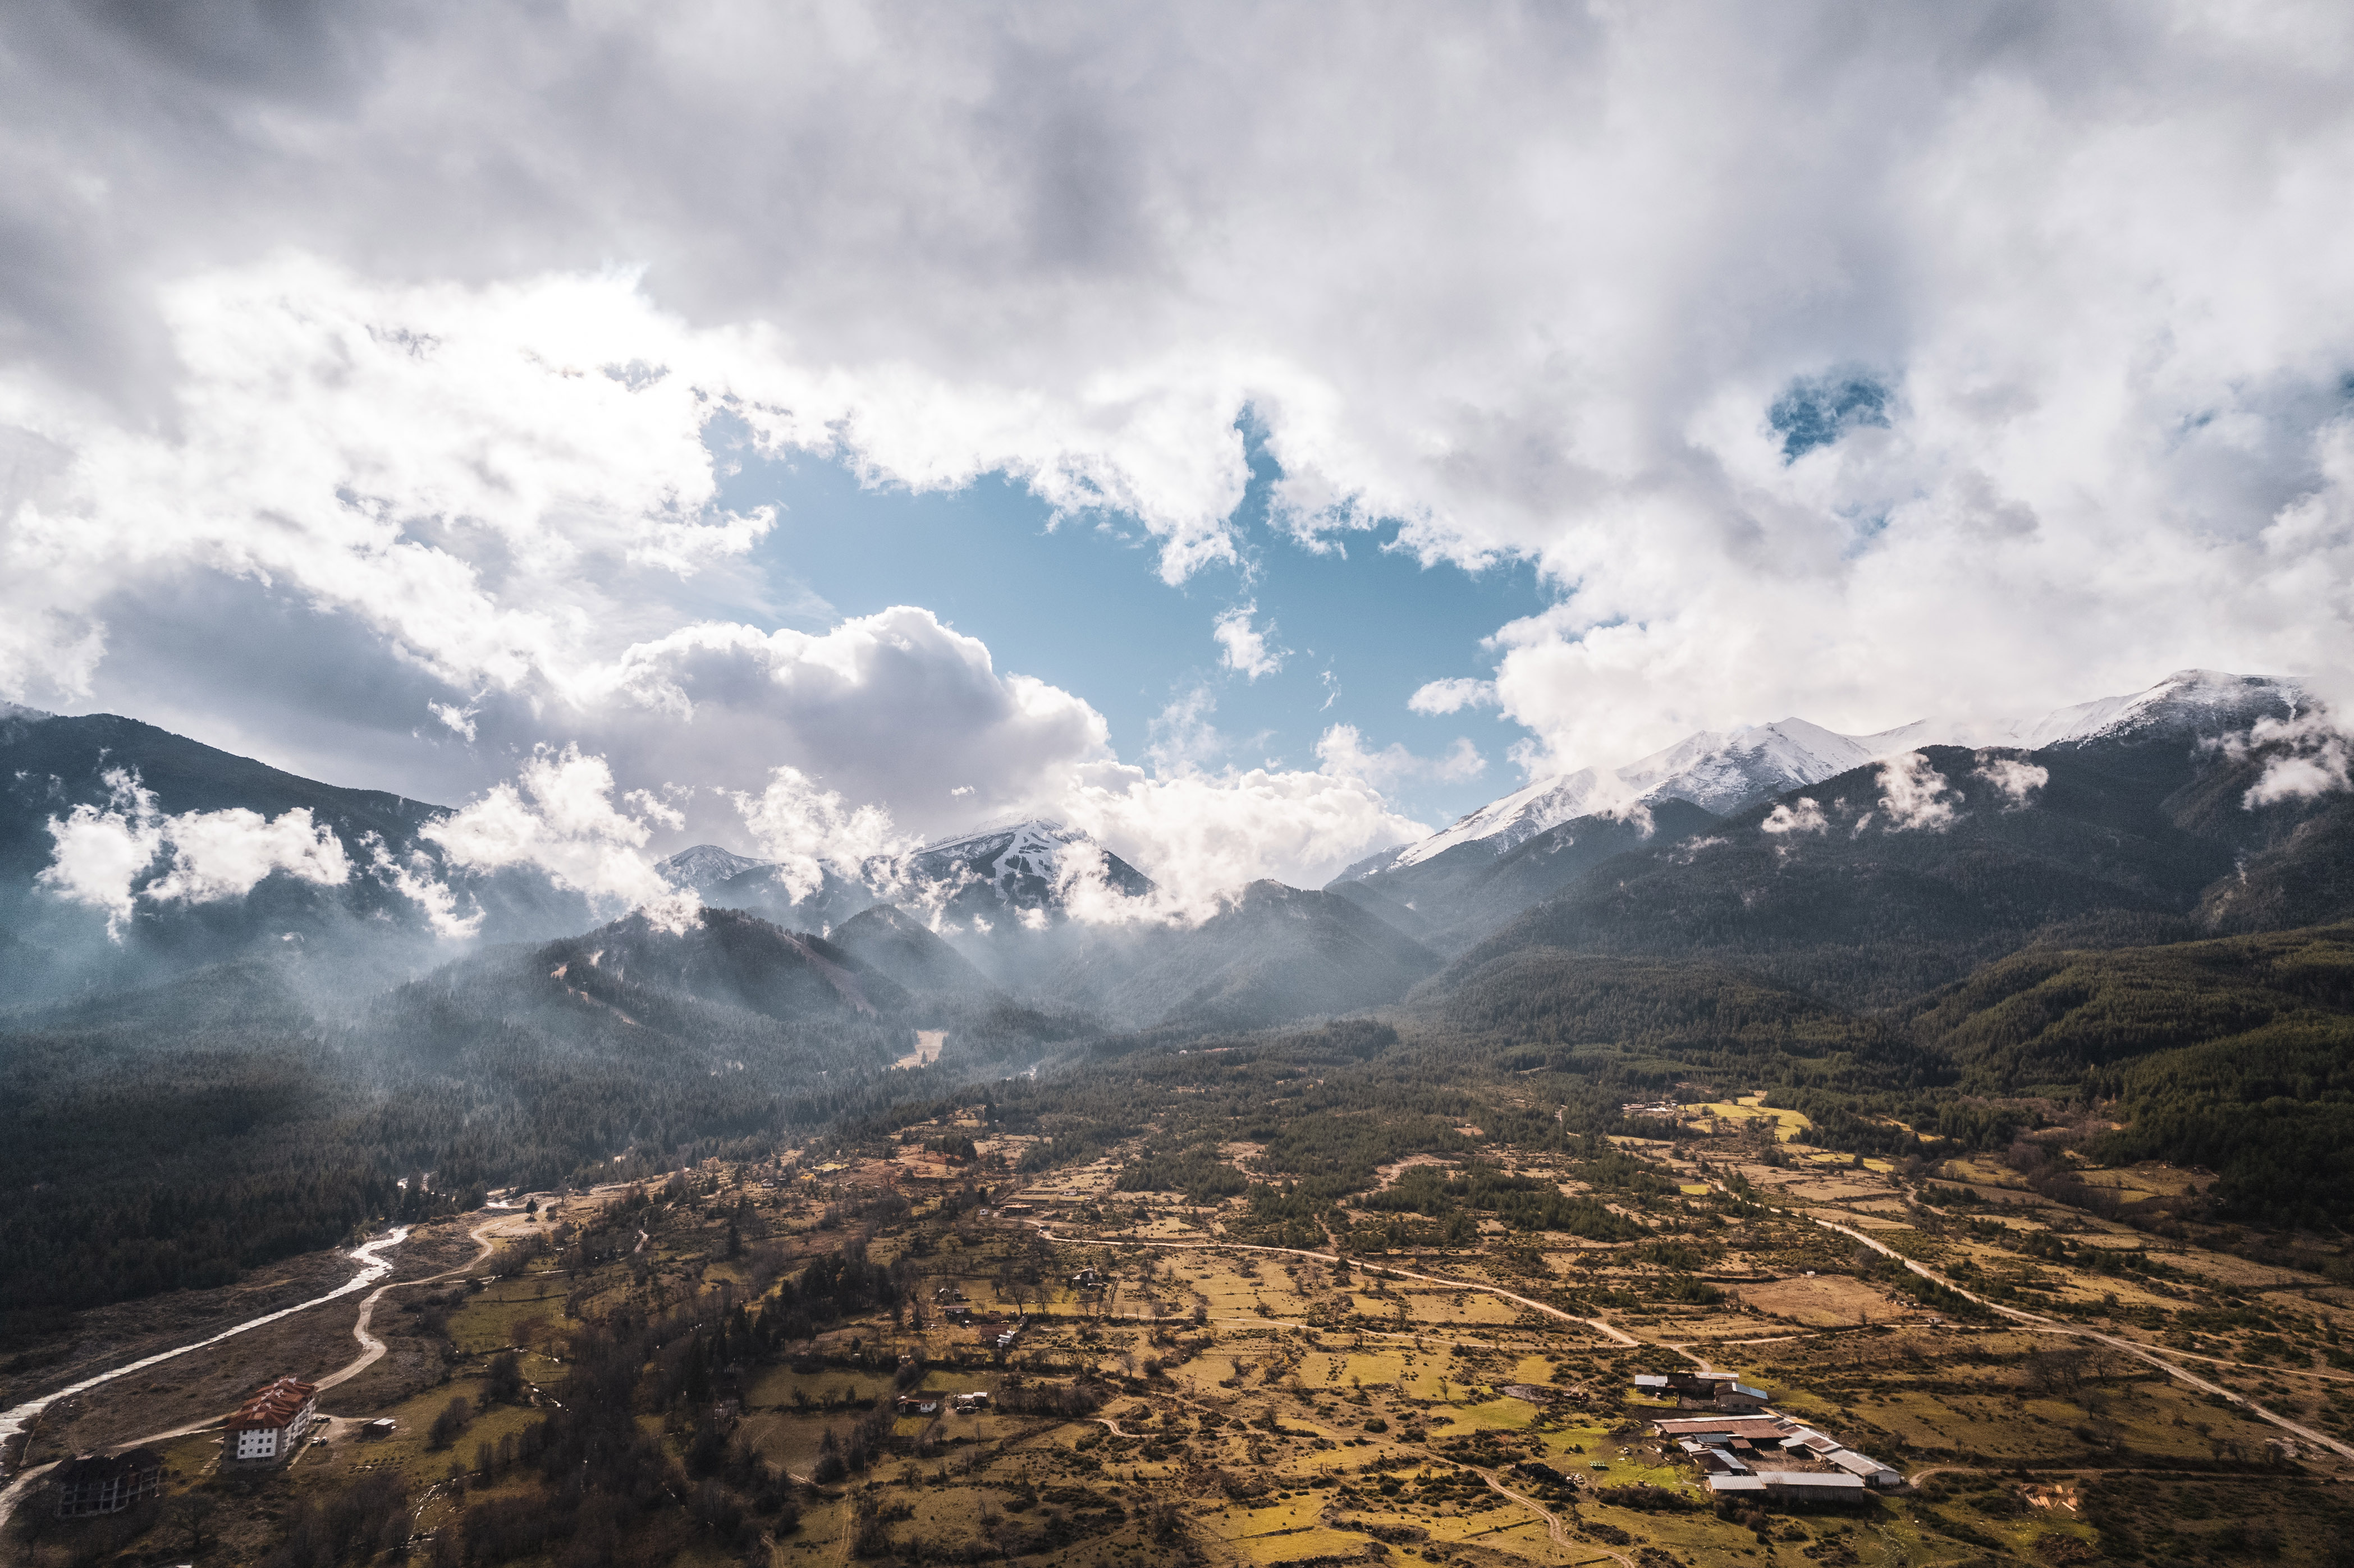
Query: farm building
{"points": [[1775, 1456]]}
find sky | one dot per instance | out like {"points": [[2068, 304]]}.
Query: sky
{"points": [[1252, 434]]}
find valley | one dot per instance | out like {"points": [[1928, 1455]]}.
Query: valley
{"points": [[793, 1341], [1985, 1110]]}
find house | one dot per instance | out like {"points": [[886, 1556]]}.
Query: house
{"points": [[971, 1403], [1718, 1391], [272, 1422], [98, 1483], [919, 1404], [996, 1333]]}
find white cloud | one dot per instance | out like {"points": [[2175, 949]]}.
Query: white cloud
{"points": [[1201, 835], [101, 854], [893, 709], [459, 719], [559, 817], [225, 854], [1244, 648], [1915, 795], [320, 307], [1452, 696], [101, 857], [2304, 759], [805, 829], [2015, 779], [1182, 739], [418, 879], [1342, 751], [1806, 817]]}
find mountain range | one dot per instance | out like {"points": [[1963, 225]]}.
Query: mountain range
{"points": [[1459, 872], [1782, 847], [2128, 906]]}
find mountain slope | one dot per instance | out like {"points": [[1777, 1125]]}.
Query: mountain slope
{"points": [[1026, 865], [1271, 954], [50, 764], [1728, 772], [895, 943], [1459, 895], [729, 957], [1838, 887]]}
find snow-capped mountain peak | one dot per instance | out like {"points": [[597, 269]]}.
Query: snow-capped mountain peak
{"points": [[1723, 772], [706, 866], [2198, 701], [1025, 865]]}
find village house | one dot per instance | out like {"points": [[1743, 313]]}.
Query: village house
{"points": [[99, 1483], [1714, 1391], [919, 1404], [971, 1403], [269, 1425], [997, 1333]]}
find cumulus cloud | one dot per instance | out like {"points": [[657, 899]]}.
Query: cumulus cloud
{"points": [[559, 817], [418, 879], [804, 830], [2304, 759], [1806, 817], [103, 856], [1857, 370], [1915, 795], [1201, 835], [893, 708], [1452, 696], [1244, 648], [2015, 779]]}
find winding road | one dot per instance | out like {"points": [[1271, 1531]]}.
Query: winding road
{"points": [[375, 1265]]}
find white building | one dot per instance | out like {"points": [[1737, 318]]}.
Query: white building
{"points": [[269, 1425]]}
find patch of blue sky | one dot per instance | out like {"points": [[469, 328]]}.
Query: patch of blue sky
{"points": [[1814, 411], [1079, 604]]}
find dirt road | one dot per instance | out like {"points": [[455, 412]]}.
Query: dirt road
{"points": [[2139, 1353], [376, 1266]]}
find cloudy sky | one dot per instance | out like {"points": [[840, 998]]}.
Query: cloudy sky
{"points": [[1253, 433]]}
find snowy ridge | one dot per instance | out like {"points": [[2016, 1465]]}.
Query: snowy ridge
{"points": [[1725, 772], [704, 864], [1000, 856], [2208, 702]]}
